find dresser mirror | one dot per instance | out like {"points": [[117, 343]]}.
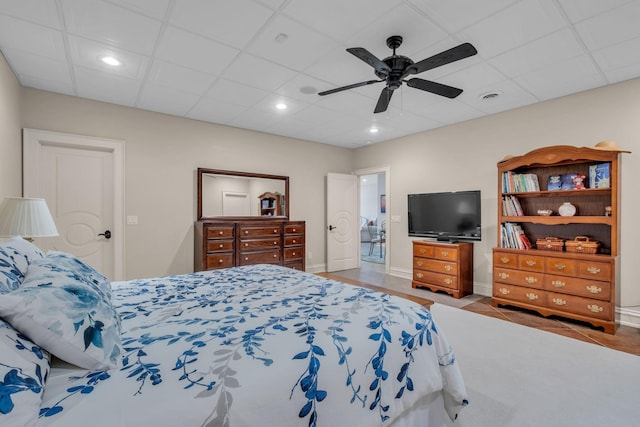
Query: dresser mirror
{"points": [[242, 194]]}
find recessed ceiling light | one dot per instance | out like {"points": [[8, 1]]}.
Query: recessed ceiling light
{"points": [[110, 60], [374, 130], [281, 106]]}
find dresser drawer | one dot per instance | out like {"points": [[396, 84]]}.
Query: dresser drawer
{"points": [[429, 277], [531, 262], [519, 294], [219, 261], [530, 279], [293, 240], [292, 253], [257, 231], [423, 251], [296, 265], [219, 232], [563, 266], [435, 265], [502, 259], [585, 306], [294, 229], [595, 270], [263, 257], [259, 244], [447, 254], [214, 245], [580, 287]]}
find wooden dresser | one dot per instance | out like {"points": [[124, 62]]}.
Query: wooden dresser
{"points": [[446, 267], [229, 243]]}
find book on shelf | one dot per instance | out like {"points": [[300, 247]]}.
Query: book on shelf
{"points": [[519, 182], [511, 206], [599, 176], [513, 236]]}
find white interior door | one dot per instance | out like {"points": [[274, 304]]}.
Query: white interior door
{"points": [[77, 177], [343, 233]]}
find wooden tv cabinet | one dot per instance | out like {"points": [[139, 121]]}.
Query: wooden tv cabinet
{"points": [[446, 267]]}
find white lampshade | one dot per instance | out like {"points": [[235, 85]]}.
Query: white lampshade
{"points": [[26, 217]]}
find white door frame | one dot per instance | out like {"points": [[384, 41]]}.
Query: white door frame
{"points": [[34, 140], [387, 185]]}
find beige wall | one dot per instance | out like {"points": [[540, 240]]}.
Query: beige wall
{"points": [[162, 154], [464, 156], [10, 133]]}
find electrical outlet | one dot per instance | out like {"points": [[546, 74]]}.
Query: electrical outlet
{"points": [[132, 220]]}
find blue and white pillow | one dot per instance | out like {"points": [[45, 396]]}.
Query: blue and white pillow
{"points": [[74, 267], [63, 310], [15, 256], [24, 368]]}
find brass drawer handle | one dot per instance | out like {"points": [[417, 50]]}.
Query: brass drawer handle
{"points": [[294, 241], [531, 280], [422, 250], [221, 246], [594, 289], [275, 255], [448, 268], [448, 281], [419, 263], [593, 270], [246, 258], [530, 262], [275, 230], [532, 296], [504, 291], [445, 253], [221, 232], [559, 301], [504, 260], [220, 261], [292, 254], [503, 276], [246, 245], [595, 308], [293, 230], [275, 242], [246, 231], [419, 275], [558, 283], [559, 266]]}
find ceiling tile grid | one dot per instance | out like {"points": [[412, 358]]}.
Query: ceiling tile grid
{"points": [[231, 62]]}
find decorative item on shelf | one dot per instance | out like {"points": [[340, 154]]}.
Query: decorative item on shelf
{"points": [[554, 183], [545, 212], [550, 244], [583, 245], [599, 176], [578, 181], [567, 209], [609, 146], [568, 181], [607, 211]]}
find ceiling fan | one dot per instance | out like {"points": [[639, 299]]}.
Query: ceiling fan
{"points": [[394, 69]]}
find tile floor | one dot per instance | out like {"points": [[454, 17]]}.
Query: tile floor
{"points": [[626, 339]]}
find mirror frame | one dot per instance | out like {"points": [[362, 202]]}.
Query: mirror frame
{"points": [[205, 171]]}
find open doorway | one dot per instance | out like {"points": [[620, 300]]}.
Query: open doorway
{"points": [[374, 227]]}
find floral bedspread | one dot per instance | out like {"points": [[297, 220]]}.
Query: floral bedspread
{"points": [[259, 345]]}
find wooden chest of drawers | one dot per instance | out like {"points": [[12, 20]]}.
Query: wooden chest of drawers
{"points": [[446, 267], [575, 286], [222, 243]]}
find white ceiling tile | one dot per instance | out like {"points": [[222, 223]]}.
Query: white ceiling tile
{"points": [[510, 96], [256, 72], [578, 10], [37, 66], [154, 8], [570, 76], [514, 26], [86, 53], [297, 51], [295, 88], [111, 25], [611, 27], [106, 87], [43, 12], [36, 39], [619, 57], [455, 15], [540, 53], [273, 4], [180, 78], [193, 51], [339, 68], [166, 100], [44, 83], [338, 18], [236, 93], [231, 22], [213, 110]]}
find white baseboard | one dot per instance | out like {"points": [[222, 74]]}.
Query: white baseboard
{"points": [[629, 316]]}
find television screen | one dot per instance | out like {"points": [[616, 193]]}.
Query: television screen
{"points": [[445, 216]]}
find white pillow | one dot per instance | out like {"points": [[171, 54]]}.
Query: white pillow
{"points": [[23, 371], [15, 256], [63, 310]]}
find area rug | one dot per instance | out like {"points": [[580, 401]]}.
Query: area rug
{"points": [[521, 376]]}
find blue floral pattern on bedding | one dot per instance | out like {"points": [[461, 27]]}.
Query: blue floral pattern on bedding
{"points": [[261, 345]]}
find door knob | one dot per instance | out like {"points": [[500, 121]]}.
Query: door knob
{"points": [[106, 234], [331, 227]]}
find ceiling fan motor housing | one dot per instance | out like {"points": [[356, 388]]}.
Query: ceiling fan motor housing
{"points": [[398, 65]]}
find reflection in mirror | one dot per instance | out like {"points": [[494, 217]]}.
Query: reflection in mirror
{"points": [[241, 194]]}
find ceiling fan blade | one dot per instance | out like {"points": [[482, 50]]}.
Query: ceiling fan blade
{"points": [[370, 59], [457, 53], [383, 101], [355, 85], [433, 87]]}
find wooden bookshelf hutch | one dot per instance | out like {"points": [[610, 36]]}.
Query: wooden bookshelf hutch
{"points": [[575, 285]]}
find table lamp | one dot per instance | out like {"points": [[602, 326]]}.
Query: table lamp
{"points": [[26, 217]]}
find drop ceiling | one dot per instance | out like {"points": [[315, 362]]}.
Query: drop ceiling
{"points": [[230, 62]]}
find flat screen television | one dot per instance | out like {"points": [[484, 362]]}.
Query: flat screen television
{"points": [[445, 216]]}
